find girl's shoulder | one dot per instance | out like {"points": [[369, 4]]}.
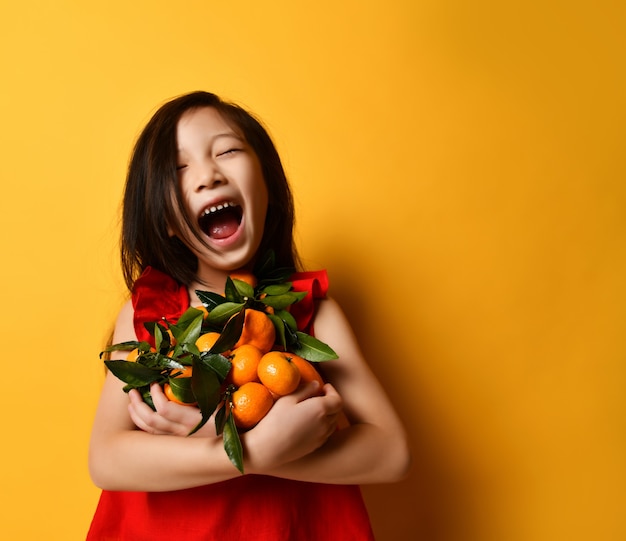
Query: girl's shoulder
{"points": [[124, 326]]}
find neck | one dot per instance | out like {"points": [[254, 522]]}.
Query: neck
{"points": [[210, 279], [214, 283]]}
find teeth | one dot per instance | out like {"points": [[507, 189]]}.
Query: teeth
{"points": [[215, 208]]}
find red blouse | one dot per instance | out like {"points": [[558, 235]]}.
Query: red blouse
{"points": [[253, 507]]}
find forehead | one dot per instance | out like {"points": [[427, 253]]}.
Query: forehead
{"points": [[204, 124]]}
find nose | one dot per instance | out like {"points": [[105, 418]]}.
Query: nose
{"points": [[209, 176]]}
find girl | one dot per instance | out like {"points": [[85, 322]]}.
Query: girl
{"points": [[205, 194]]}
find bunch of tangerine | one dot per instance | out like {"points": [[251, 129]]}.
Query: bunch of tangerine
{"points": [[262, 378], [259, 374]]}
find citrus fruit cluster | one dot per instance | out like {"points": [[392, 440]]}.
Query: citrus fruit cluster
{"points": [[232, 357]]}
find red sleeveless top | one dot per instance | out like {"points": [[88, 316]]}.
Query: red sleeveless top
{"points": [[250, 507]]}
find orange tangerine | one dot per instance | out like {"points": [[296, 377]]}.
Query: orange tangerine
{"points": [[132, 355], [206, 341], [244, 360], [258, 330], [307, 371], [278, 373], [244, 276], [185, 372], [250, 403]]}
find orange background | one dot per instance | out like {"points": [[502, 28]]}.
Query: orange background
{"points": [[459, 168]]}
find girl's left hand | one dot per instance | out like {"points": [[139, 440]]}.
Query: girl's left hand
{"points": [[169, 418]]}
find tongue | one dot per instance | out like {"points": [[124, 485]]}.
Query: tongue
{"points": [[223, 226]]}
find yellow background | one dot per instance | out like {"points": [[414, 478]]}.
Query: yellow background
{"points": [[459, 168]]}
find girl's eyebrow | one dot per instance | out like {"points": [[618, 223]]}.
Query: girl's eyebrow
{"points": [[228, 134], [219, 136]]}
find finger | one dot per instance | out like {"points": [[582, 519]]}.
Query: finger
{"points": [[159, 399], [187, 415], [308, 390], [138, 418], [147, 419], [137, 406], [334, 402], [134, 395]]}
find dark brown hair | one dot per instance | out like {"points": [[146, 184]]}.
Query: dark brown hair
{"points": [[153, 199]]}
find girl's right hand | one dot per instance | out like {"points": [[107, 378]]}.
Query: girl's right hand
{"points": [[297, 425], [169, 417]]}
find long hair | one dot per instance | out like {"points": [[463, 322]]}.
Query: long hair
{"points": [[153, 198]]}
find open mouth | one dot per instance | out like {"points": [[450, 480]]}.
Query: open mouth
{"points": [[221, 221]]}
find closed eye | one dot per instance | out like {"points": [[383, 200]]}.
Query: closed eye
{"points": [[229, 151]]}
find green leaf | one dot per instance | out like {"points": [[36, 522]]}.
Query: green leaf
{"points": [[232, 443], [231, 291], [144, 347], [312, 349], [206, 390], [289, 320], [147, 397], [149, 326], [189, 333], [222, 313], [158, 336], [220, 419], [184, 352], [181, 387], [244, 288], [218, 363], [277, 289], [158, 361], [279, 302], [210, 300], [279, 325], [123, 346], [230, 334], [133, 373], [188, 317], [161, 338]]}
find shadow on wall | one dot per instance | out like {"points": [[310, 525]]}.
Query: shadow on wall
{"points": [[432, 503]]}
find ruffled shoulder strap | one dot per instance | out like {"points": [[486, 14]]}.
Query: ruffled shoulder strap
{"points": [[316, 284], [157, 296]]}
